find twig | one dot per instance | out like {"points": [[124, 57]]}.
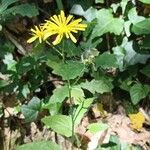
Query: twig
{"points": [[14, 41], [147, 117]]}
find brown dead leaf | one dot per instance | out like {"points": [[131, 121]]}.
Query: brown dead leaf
{"points": [[120, 125]]}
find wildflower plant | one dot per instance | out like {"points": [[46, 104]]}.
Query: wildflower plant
{"points": [[70, 74]]}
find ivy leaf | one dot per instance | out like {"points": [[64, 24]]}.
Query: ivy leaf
{"points": [[142, 27], [69, 70], [106, 61], [138, 92], [3, 83], [25, 90], [107, 23], [146, 70], [31, 110], [127, 56], [123, 5], [38, 145], [96, 127], [99, 86], [10, 62], [99, 1], [59, 123], [145, 1], [145, 44], [105, 20], [133, 16], [23, 10], [5, 4], [25, 65], [137, 120]]}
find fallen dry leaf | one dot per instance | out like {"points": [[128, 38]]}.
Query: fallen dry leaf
{"points": [[137, 120]]}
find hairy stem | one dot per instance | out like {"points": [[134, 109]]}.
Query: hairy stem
{"points": [[72, 118], [54, 48]]}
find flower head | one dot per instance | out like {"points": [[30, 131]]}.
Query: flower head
{"points": [[61, 26], [37, 33]]}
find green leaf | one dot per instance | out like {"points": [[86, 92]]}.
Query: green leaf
{"points": [[105, 20], [146, 70], [133, 16], [59, 123], [4, 4], [3, 83], [145, 44], [123, 5], [132, 57], [106, 60], [127, 56], [99, 86], [120, 55], [25, 91], [69, 70], [99, 1], [138, 92], [23, 10], [82, 109], [39, 145], [10, 62], [77, 93], [142, 27], [59, 94], [31, 110], [77, 10], [107, 23], [145, 1], [127, 25], [96, 127], [54, 108], [70, 48], [25, 65]]}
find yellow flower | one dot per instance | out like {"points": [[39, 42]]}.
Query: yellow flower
{"points": [[62, 26], [137, 120], [37, 33]]}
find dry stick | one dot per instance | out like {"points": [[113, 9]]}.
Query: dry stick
{"points": [[147, 117], [21, 50]]}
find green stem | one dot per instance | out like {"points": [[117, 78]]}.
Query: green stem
{"points": [[54, 48], [60, 4], [72, 118], [63, 54]]}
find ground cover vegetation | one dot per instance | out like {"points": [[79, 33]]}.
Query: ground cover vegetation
{"points": [[75, 74]]}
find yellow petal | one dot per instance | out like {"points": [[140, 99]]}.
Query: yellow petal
{"points": [[32, 30], [75, 22], [63, 18], [48, 34], [68, 19], [72, 38], [67, 35], [58, 39], [55, 20], [32, 39]]}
